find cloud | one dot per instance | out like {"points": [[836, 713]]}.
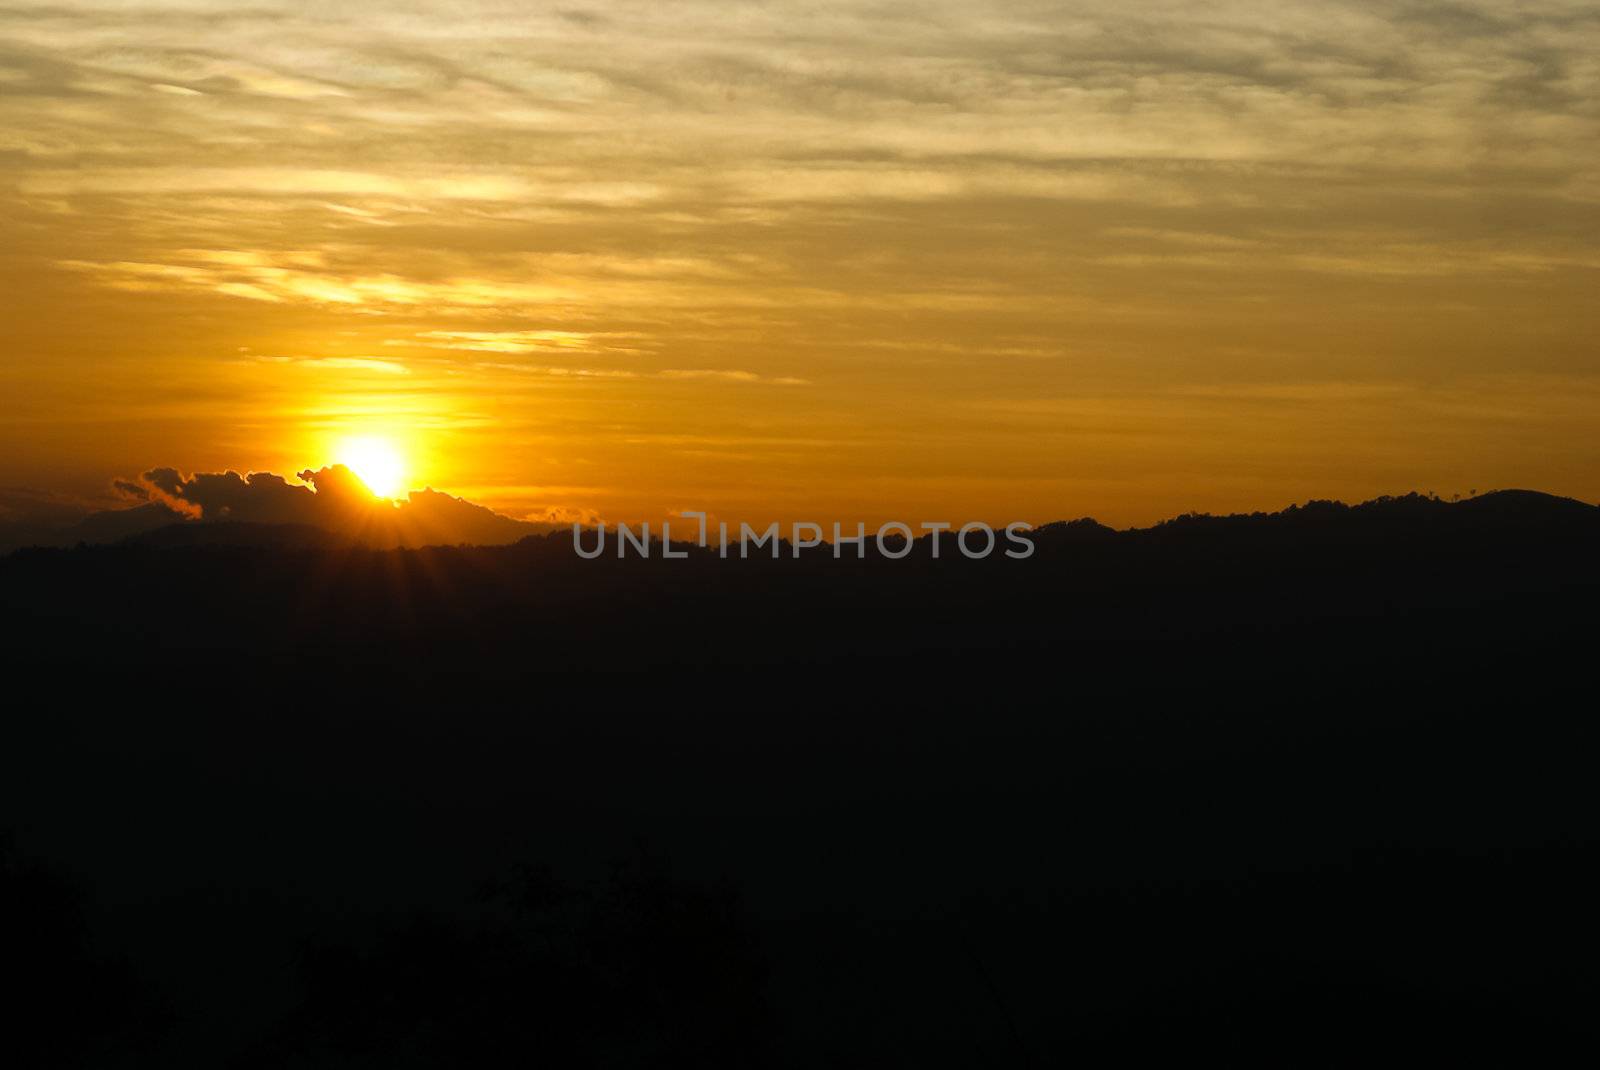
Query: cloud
{"points": [[540, 341], [364, 364], [331, 500], [564, 516], [130, 489], [731, 375], [587, 231]]}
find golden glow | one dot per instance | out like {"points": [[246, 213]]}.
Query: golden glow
{"points": [[1010, 261], [376, 462]]}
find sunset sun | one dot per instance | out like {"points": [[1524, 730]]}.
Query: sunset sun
{"points": [[376, 462]]}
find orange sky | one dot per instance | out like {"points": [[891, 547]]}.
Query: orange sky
{"points": [[808, 261]]}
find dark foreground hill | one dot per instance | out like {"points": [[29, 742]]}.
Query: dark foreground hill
{"points": [[307, 804]]}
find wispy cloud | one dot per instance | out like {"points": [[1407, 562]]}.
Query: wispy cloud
{"points": [[544, 341], [363, 364], [731, 375], [590, 228]]}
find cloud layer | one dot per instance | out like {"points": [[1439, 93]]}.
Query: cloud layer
{"points": [[331, 500], [592, 227]]}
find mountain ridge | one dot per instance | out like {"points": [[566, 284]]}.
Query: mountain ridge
{"points": [[440, 519]]}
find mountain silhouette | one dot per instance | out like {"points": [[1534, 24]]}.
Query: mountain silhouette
{"points": [[1306, 787], [239, 534], [336, 502], [1508, 564]]}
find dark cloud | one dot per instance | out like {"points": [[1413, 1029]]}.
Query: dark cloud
{"points": [[127, 488], [167, 480], [332, 499]]}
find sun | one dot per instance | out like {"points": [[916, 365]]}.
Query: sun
{"points": [[376, 462]]}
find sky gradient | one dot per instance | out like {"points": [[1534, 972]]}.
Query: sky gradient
{"points": [[815, 261]]}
